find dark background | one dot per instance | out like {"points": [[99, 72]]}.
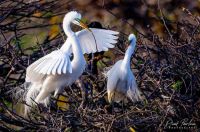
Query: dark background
{"points": [[166, 64]]}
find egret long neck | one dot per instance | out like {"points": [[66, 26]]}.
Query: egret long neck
{"points": [[128, 54], [66, 47], [67, 27], [76, 48], [71, 41]]}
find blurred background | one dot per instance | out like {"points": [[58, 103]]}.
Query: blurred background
{"points": [[166, 62], [43, 18]]}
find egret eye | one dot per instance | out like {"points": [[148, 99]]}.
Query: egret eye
{"points": [[77, 19]]}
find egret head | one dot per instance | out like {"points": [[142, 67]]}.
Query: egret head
{"points": [[131, 47], [75, 18], [132, 38], [71, 16]]}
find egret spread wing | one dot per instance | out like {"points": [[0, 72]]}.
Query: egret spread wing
{"points": [[57, 62], [113, 80], [114, 69], [97, 40]]}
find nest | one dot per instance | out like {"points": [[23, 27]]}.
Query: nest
{"points": [[166, 70]]}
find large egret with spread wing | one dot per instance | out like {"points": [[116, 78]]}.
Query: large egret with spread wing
{"points": [[55, 71], [121, 82]]}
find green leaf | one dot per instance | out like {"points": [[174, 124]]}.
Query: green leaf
{"points": [[100, 64], [139, 62], [7, 103], [177, 85], [48, 14], [145, 102]]}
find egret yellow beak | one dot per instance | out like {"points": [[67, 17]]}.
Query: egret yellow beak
{"points": [[83, 25]]}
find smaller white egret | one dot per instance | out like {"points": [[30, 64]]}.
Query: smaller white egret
{"points": [[121, 81]]}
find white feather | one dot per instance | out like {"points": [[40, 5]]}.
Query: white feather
{"points": [[55, 71], [95, 41], [49, 64], [121, 81], [59, 70]]}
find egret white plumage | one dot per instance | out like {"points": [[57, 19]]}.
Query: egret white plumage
{"points": [[55, 71], [121, 82]]}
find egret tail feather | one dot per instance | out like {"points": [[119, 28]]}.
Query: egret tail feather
{"points": [[33, 91]]}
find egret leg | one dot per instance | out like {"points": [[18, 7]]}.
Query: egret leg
{"points": [[112, 107], [44, 93], [124, 113], [110, 99], [91, 93], [41, 96], [83, 92], [49, 86]]}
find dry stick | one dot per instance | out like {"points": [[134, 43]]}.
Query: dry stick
{"points": [[18, 19], [27, 15], [110, 126], [44, 53], [166, 112], [21, 119], [9, 73], [196, 18], [6, 44], [122, 115], [162, 17], [177, 100], [11, 66], [7, 14], [4, 35], [38, 26]]}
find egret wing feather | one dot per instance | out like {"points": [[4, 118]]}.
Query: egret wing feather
{"points": [[114, 69], [112, 81], [59, 70], [57, 62], [97, 40]]}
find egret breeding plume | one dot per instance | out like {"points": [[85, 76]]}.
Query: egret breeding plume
{"points": [[121, 82], [55, 71]]}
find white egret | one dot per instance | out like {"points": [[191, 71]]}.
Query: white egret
{"points": [[55, 71], [121, 82]]}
